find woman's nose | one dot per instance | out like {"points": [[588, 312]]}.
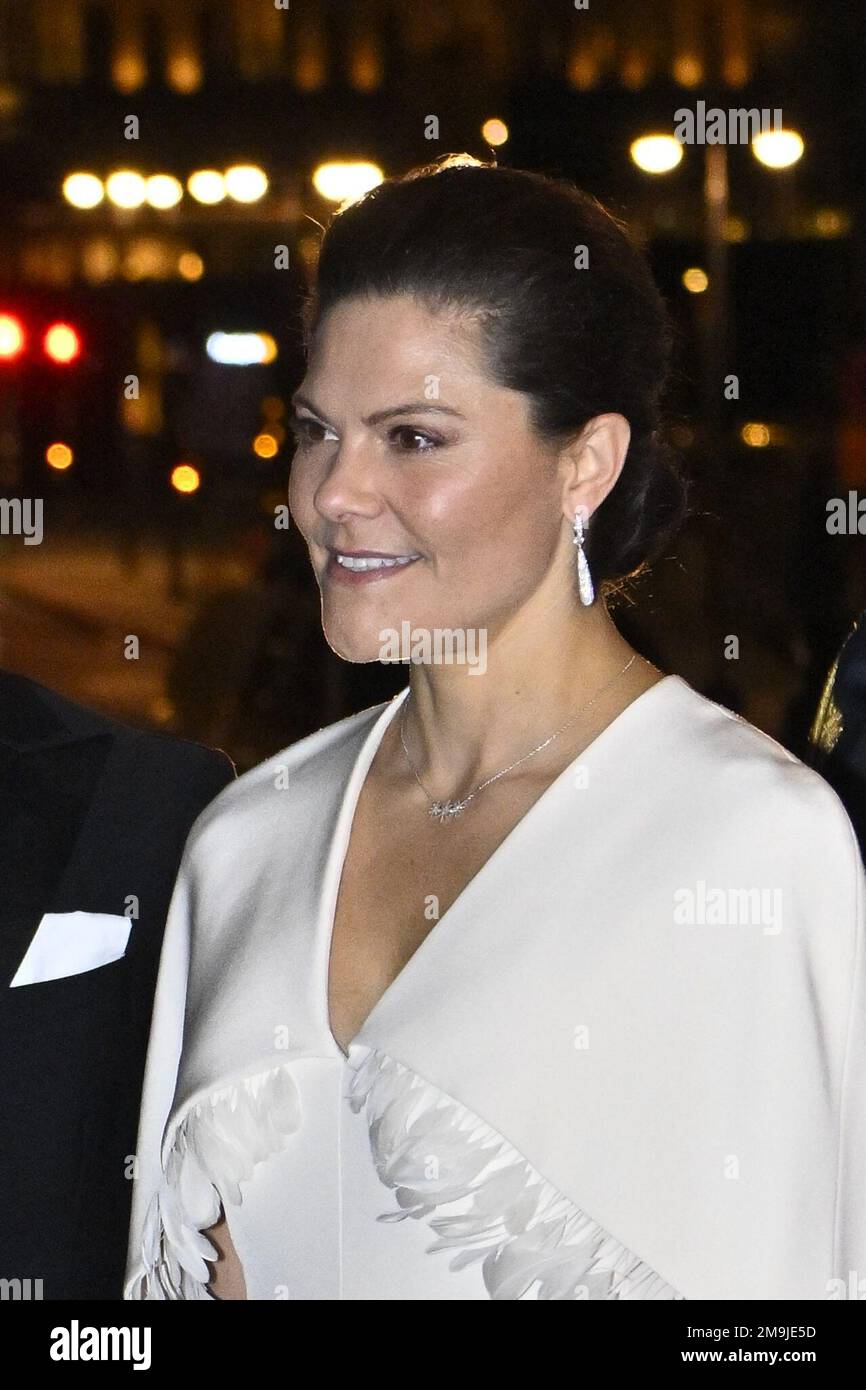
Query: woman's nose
{"points": [[348, 486]]}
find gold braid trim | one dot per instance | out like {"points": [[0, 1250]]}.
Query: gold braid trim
{"points": [[827, 725]]}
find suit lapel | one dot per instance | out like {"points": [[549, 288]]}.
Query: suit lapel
{"points": [[49, 770]]}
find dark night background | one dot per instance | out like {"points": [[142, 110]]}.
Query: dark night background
{"points": [[225, 606]]}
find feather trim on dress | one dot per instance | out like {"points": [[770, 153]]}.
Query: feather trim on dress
{"points": [[435, 1153], [215, 1147]]}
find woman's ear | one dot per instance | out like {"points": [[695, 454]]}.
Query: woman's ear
{"points": [[591, 463]]}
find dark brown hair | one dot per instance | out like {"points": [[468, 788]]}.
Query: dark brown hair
{"points": [[502, 244]]}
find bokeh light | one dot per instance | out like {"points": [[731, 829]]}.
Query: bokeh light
{"points": [[83, 190], [126, 188], [59, 456], [778, 149], [240, 349], [11, 337], [695, 279], [190, 265], [755, 435], [656, 154], [61, 343], [207, 186], [163, 191], [265, 445], [344, 181], [185, 478], [246, 183], [494, 131]]}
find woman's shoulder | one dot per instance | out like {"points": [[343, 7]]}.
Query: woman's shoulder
{"points": [[738, 770], [716, 736], [303, 772]]}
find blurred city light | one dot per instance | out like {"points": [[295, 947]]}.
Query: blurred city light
{"points": [[163, 191], [735, 228], [11, 337], [344, 181], [688, 70], [61, 343], [190, 265], [695, 280], [142, 415], [778, 149], [59, 456], [494, 131], [148, 257], [241, 349], [207, 186], [185, 478], [126, 188], [246, 183], [831, 222], [99, 260], [757, 436], [83, 190], [184, 70], [128, 68], [656, 154], [265, 445]]}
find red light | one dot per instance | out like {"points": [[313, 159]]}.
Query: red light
{"points": [[11, 337], [61, 343]]}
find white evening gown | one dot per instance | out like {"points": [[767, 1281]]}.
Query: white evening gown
{"points": [[328, 1242], [629, 1062]]}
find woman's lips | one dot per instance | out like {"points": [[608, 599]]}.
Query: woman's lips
{"points": [[341, 575]]}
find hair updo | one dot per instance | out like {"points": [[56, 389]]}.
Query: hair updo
{"points": [[504, 245]]}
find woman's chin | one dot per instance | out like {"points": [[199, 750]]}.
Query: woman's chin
{"points": [[353, 645]]}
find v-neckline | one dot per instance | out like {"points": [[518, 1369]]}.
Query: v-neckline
{"points": [[339, 849]]}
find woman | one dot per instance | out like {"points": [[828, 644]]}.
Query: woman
{"points": [[544, 979]]}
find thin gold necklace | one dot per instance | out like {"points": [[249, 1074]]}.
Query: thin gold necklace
{"points": [[443, 811]]}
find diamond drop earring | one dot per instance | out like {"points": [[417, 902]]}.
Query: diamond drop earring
{"points": [[584, 578]]}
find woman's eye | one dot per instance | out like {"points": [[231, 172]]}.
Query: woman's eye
{"points": [[304, 430], [403, 435], [405, 438]]}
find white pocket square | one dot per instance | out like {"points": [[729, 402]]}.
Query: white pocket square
{"points": [[68, 943]]}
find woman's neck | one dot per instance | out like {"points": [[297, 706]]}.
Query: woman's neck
{"points": [[461, 728]]}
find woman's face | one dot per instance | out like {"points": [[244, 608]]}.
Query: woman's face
{"points": [[406, 448]]}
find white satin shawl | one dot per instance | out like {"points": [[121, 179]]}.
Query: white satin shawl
{"points": [[651, 998]]}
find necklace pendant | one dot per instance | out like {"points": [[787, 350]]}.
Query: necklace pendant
{"points": [[445, 810]]}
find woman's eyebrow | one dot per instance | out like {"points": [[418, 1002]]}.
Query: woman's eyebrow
{"points": [[408, 408]]}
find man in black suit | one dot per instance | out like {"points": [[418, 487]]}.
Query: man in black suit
{"points": [[93, 819]]}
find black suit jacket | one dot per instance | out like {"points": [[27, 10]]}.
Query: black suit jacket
{"points": [[92, 813]]}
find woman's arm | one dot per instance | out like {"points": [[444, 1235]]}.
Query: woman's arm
{"points": [[848, 1276], [228, 1276]]}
